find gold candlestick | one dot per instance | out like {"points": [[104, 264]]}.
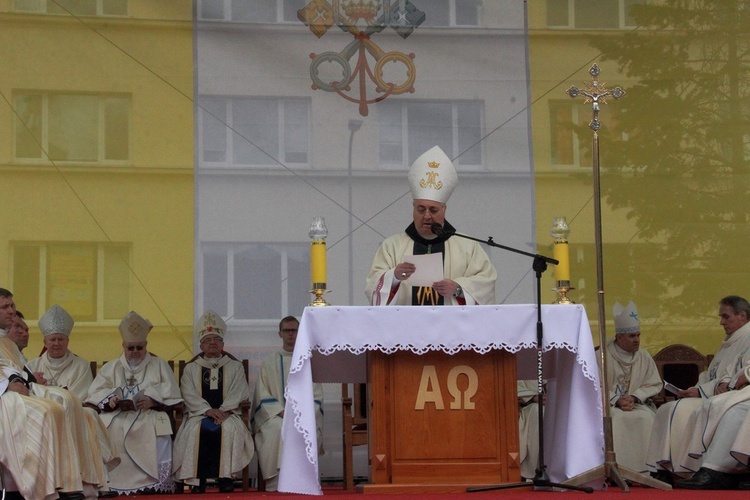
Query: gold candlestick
{"points": [[560, 232], [318, 233]]}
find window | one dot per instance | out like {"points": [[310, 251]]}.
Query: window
{"points": [[566, 148], [248, 281], [437, 12], [254, 131], [72, 127], [409, 128], [90, 280], [591, 14], [250, 11], [450, 12], [74, 7]]}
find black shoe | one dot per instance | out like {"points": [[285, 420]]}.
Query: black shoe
{"points": [[200, 488], [13, 495], [226, 485], [74, 495], [663, 475], [107, 494], [745, 485], [707, 479]]}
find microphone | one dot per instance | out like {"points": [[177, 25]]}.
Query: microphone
{"points": [[439, 230]]}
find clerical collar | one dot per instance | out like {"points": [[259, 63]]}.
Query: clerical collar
{"points": [[412, 232]]}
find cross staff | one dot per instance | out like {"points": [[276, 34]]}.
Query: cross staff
{"points": [[596, 93]]}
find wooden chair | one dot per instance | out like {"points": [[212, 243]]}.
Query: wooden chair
{"points": [[354, 424], [680, 365], [244, 409]]}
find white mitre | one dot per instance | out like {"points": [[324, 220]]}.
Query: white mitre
{"points": [[432, 176], [211, 324], [134, 327], [626, 318], [56, 320]]}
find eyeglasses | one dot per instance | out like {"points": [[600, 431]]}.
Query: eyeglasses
{"points": [[289, 330], [135, 347]]}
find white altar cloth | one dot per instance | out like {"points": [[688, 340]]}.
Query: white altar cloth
{"points": [[573, 432]]}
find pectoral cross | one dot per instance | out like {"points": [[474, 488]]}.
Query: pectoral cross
{"points": [[131, 380]]}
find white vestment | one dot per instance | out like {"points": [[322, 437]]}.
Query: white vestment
{"points": [[80, 425], [528, 427], [675, 423], [236, 441], [142, 438], [69, 371], [74, 374], [464, 262], [715, 427], [35, 445], [268, 405], [633, 374]]}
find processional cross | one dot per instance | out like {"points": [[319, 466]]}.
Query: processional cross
{"points": [[597, 93]]}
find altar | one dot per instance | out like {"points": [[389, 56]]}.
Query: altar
{"points": [[570, 370]]}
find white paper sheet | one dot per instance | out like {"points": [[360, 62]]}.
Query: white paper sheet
{"points": [[429, 269]]}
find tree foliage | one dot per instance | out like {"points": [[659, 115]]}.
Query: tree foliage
{"points": [[677, 159]]}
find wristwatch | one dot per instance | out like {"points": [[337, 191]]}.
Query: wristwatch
{"points": [[458, 291]]}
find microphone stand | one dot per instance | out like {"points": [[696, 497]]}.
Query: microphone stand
{"points": [[541, 480]]}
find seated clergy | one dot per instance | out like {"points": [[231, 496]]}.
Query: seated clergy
{"points": [[35, 446], [80, 425], [213, 441], [133, 392], [633, 380], [62, 368]]}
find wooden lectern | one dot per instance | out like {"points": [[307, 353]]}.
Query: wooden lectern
{"points": [[442, 422]]}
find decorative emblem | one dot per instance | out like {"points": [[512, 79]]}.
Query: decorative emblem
{"points": [[400, 15], [431, 180], [433, 164]]}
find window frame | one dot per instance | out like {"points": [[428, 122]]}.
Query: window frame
{"points": [[231, 250], [455, 148], [44, 248], [622, 17], [42, 8], [102, 100], [230, 135]]}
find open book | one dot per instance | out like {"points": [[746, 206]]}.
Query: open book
{"points": [[126, 404], [672, 388]]}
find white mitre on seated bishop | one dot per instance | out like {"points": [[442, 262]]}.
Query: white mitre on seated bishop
{"points": [[211, 324], [626, 318], [56, 320], [432, 176], [134, 327]]}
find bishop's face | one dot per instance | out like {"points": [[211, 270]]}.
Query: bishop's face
{"points": [[629, 342], [135, 352], [56, 344], [427, 212], [211, 346]]}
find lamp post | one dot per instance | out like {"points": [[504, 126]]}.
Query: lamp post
{"points": [[354, 126]]}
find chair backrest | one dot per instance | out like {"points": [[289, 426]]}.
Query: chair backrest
{"points": [[680, 365]]}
